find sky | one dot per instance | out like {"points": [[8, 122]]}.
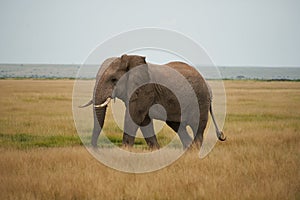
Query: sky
{"points": [[233, 32]]}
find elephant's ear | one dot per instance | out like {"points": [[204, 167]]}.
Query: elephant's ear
{"points": [[138, 73], [125, 62], [131, 61], [140, 92]]}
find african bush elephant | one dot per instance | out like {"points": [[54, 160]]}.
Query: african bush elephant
{"points": [[140, 90]]}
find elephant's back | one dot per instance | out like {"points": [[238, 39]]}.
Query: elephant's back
{"points": [[189, 72], [195, 79]]}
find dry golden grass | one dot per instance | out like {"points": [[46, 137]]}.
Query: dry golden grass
{"points": [[36, 107], [259, 160]]}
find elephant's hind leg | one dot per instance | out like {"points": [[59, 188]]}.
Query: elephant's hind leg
{"points": [[198, 137], [182, 133], [198, 132], [149, 134]]}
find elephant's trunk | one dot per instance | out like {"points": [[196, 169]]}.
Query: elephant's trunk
{"points": [[99, 117]]}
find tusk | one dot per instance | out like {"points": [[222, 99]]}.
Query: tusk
{"points": [[103, 104], [87, 104]]}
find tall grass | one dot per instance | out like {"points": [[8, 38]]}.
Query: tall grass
{"points": [[259, 160]]}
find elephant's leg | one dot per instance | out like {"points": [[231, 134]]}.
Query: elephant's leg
{"points": [[198, 137], [182, 133], [130, 129], [96, 130], [149, 134], [99, 115]]}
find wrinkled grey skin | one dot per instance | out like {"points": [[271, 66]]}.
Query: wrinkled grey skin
{"points": [[110, 83]]}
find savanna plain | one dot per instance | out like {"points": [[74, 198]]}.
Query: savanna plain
{"points": [[42, 157]]}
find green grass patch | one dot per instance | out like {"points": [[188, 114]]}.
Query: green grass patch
{"points": [[257, 117], [26, 141]]}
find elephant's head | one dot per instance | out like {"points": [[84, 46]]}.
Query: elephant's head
{"points": [[118, 80]]}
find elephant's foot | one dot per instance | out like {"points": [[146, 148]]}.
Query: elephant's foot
{"points": [[196, 144], [152, 143], [128, 140], [94, 143], [186, 140], [154, 147]]}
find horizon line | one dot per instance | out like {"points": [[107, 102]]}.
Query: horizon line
{"points": [[77, 64]]}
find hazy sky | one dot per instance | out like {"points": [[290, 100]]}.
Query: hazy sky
{"points": [[234, 32]]}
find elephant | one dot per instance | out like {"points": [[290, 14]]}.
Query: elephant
{"points": [[119, 77]]}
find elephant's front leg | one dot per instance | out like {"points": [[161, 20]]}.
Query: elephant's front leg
{"points": [[130, 129], [149, 134], [99, 115]]}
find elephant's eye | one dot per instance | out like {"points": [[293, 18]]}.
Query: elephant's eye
{"points": [[114, 80]]}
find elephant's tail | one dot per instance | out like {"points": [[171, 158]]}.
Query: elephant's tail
{"points": [[220, 134], [87, 104]]}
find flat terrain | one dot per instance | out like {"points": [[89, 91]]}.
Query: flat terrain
{"points": [[42, 156]]}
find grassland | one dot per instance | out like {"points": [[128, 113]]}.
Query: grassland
{"points": [[42, 156]]}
